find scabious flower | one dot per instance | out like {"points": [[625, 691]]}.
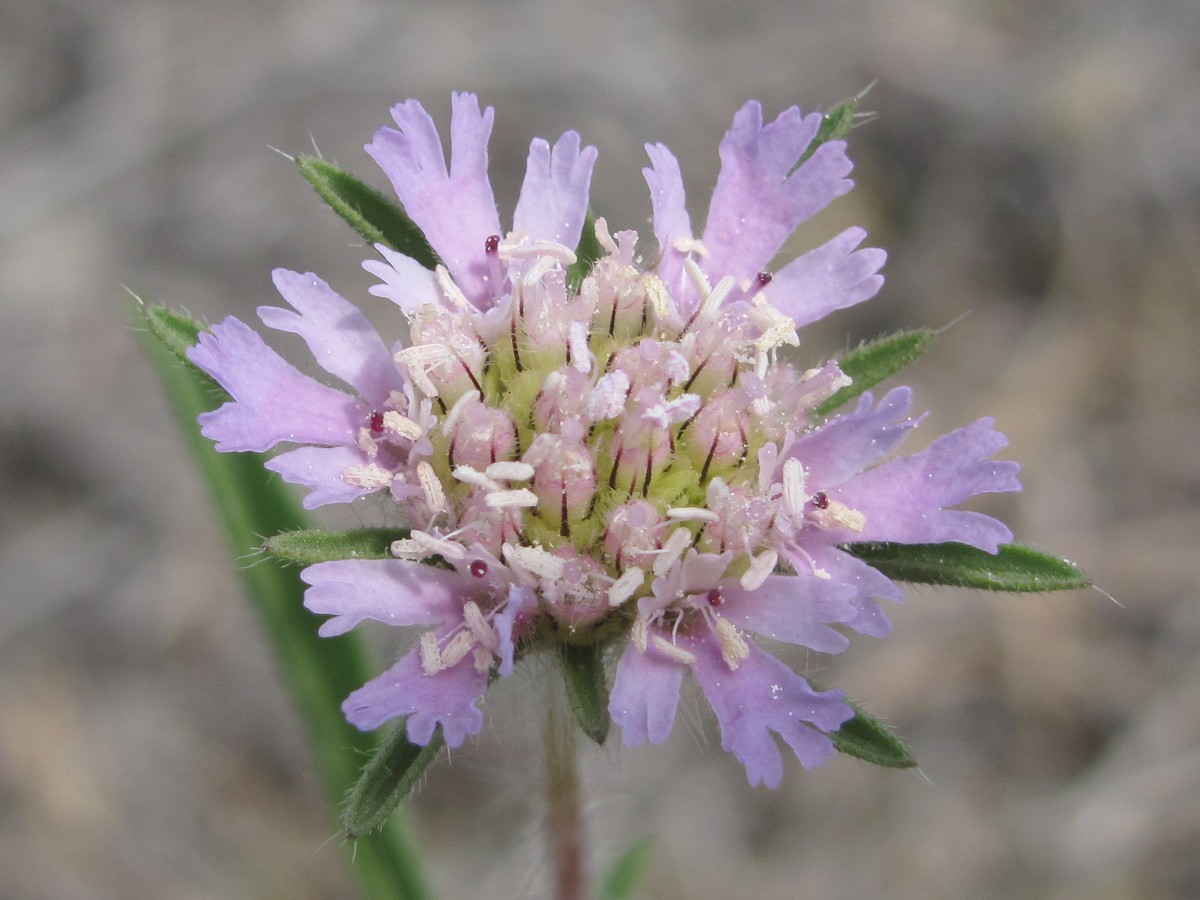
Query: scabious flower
{"points": [[614, 450]]}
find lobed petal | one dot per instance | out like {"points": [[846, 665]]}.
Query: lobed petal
{"points": [[850, 443], [406, 282], [761, 696], [833, 276], [394, 591], [341, 339], [449, 698], [796, 609], [454, 207], [321, 470], [645, 695], [272, 400], [671, 223], [903, 499], [761, 194], [869, 584], [554, 196]]}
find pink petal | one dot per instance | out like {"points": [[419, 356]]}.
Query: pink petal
{"points": [[903, 499], [645, 694], [448, 698], [761, 696], [454, 207], [272, 400], [796, 609], [759, 200], [394, 591], [554, 196], [671, 222], [853, 441], [320, 469], [341, 339], [827, 278]]}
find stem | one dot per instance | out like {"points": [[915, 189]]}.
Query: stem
{"points": [[564, 815]]}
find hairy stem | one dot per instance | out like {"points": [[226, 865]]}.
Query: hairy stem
{"points": [[564, 815]]}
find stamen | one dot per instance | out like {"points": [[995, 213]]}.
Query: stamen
{"points": [[431, 657], [677, 541], [483, 660], [510, 471], [693, 514], [452, 291], [458, 648], [639, 633], [451, 419], [471, 475], [623, 588], [431, 487], [370, 477], [534, 560], [518, 497], [691, 245], [733, 646], [431, 543], [478, 625], [604, 236], [677, 653], [793, 487], [402, 426], [761, 567]]}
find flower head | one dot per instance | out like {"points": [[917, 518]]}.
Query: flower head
{"points": [[612, 449]]}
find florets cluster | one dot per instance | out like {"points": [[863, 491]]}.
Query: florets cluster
{"points": [[613, 449]]}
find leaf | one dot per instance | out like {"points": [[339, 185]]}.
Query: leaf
{"points": [[386, 780], [866, 738], [312, 546], [1014, 568], [319, 671], [872, 362], [370, 213], [587, 691], [586, 254], [625, 873]]}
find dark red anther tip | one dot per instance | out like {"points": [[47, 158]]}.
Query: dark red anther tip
{"points": [[478, 568], [492, 244], [376, 422], [820, 500]]}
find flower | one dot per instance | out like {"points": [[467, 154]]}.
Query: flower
{"points": [[611, 450]]}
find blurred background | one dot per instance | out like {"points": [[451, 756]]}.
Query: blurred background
{"points": [[1034, 164]]}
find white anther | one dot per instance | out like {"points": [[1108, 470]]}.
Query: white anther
{"points": [[692, 514], [431, 657], [452, 291], [604, 236], [483, 660], [658, 295], [760, 567], [540, 448], [478, 625], [622, 589], [673, 651], [716, 297], [458, 648], [690, 245], [672, 549], [370, 477], [367, 444], [417, 361], [794, 497], [538, 271], [455, 412], [577, 341], [401, 426], [509, 471], [639, 633], [552, 249], [733, 646], [697, 277], [431, 543], [534, 560], [506, 499], [431, 487], [607, 398], [822, 573], [471, 475], [839, 515]]}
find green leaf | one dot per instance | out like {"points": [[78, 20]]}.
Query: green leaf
{"points": [[312, 546], [1014, 568], [866, 738], [587, 691], [625, 873], [370, 213], [319, 671], [586, 254], [386, 780], [870, 363]]}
